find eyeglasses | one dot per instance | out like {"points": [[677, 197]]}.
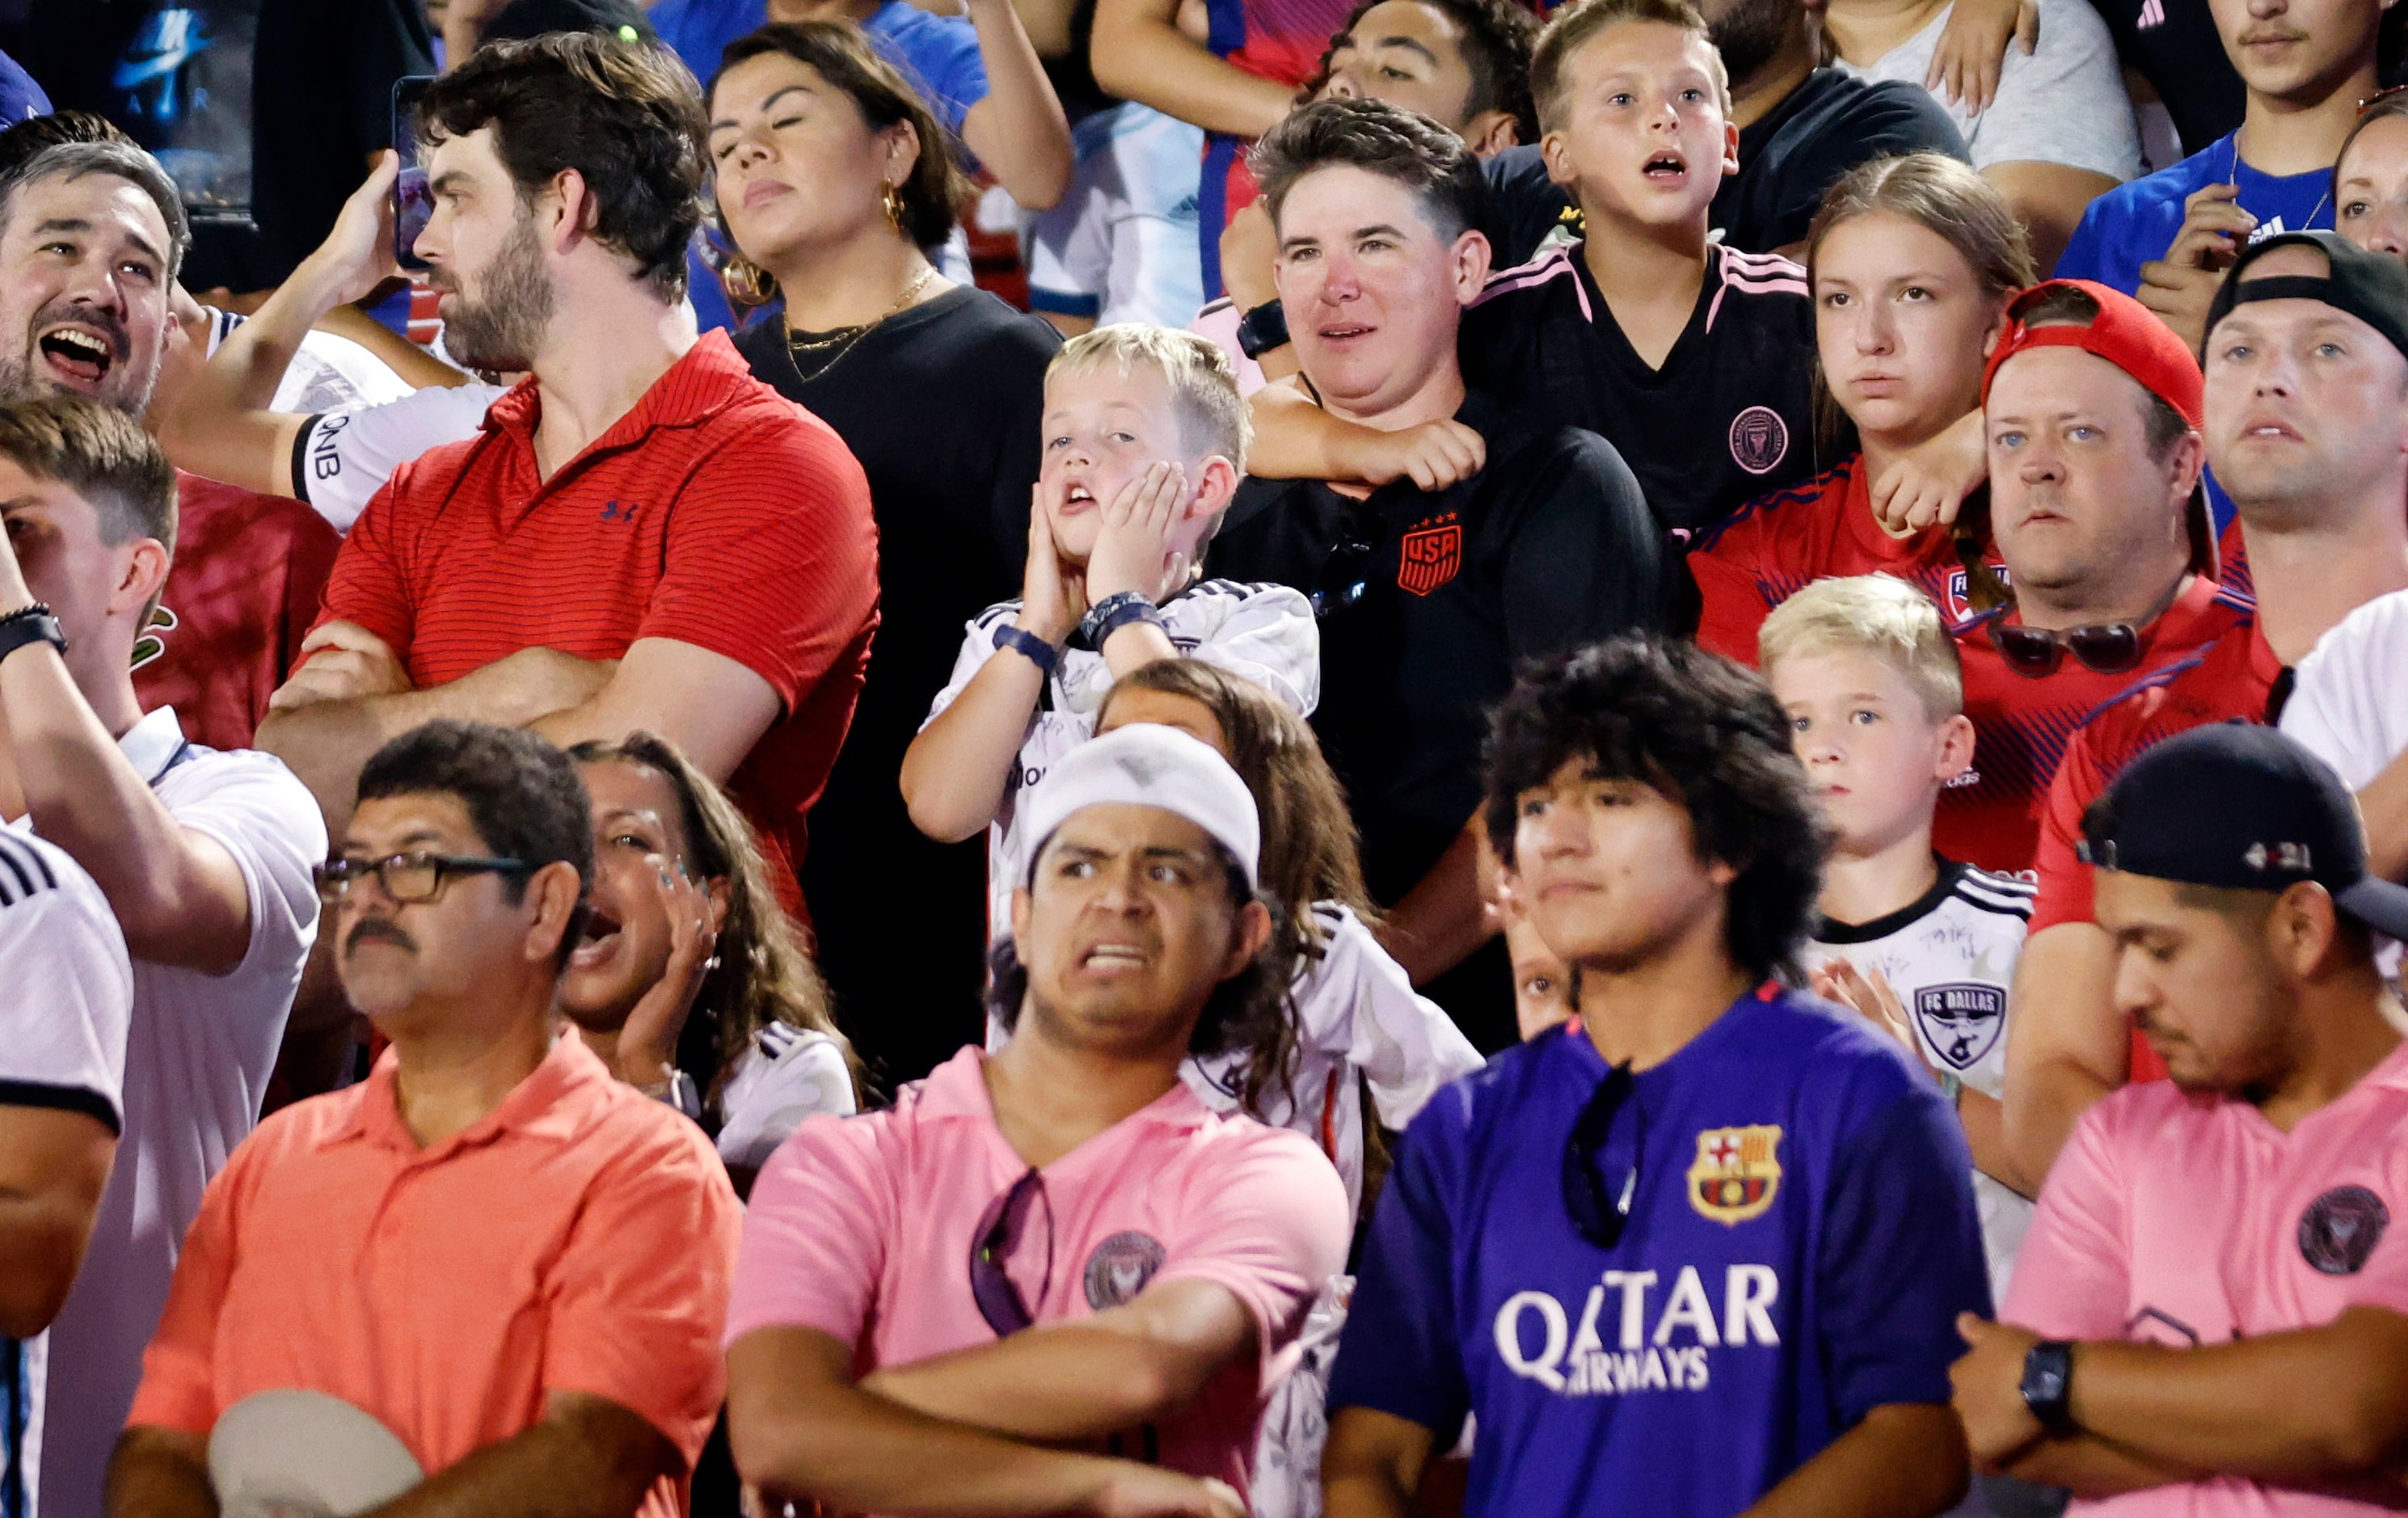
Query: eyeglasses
{"points": [[1345, 573], [2108, 647], [1599, 1184], [997, 1239], [408, 877]]}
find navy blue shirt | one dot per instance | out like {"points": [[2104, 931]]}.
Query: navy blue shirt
{"points": [[2135, 223], [1801, 1240]]}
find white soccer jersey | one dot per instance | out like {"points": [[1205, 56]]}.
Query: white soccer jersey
{"points": [[1950, 956], [1263, 632], [197, 1059], [343, 457], [1356, 1011], [63, 1029]]}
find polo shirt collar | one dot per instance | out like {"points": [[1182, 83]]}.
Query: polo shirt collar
{"points": [[957, 1090], [708, 379], [552, 1103]]}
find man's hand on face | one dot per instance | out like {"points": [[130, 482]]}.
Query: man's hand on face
{"points": [[342, 661], [1990, 1397], [1133, 550]]}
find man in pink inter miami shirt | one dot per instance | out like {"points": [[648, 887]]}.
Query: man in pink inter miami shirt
{"points": [[1051, 1280], [2210, 1314]]}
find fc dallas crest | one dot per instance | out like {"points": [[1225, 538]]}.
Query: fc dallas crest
{"points": [[1738, 1172], [1432, 556]]}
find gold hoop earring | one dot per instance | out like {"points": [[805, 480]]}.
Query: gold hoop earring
{"points": [[894, 208], [748, 283]]}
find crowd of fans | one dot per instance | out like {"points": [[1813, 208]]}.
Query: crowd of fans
{"points": [[1690, 804]]}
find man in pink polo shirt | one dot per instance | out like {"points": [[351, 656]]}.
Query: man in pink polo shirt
{"points": [[2210, 1315], [1051, 1280]]}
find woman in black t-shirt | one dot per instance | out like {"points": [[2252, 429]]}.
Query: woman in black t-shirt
{"points": [[831, 176]]}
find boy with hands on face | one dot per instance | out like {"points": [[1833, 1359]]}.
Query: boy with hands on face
{"points": [[1145, 440]]}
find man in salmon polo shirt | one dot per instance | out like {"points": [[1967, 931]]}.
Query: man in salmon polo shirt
{"points": [[642, 535], [1050, 1280], [514, 1262], [2210, 1314]]}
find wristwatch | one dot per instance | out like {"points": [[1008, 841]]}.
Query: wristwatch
{"points": [[1028, 646], [2048, 1383], [31, 625], [1114, 613], [1263, 329]]}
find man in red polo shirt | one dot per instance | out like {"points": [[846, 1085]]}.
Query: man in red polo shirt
{"points": [[641, 536], [2091, 409], [2307, 363]]}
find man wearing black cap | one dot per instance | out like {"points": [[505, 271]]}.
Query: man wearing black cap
{"points": [[2307, 368], [2210, 1296]]}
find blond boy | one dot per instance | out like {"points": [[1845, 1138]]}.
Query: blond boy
{"points": [[1923, 945], [1144, 442]]}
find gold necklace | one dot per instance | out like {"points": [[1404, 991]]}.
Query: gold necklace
{"points": [[847, 336]]}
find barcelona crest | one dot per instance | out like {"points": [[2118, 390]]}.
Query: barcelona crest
{"points": [[1430, 558], [1738, 1172]]}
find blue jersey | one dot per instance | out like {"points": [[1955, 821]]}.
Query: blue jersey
{"points": [[940, 54], [2135, 223], [1800, 1240]]}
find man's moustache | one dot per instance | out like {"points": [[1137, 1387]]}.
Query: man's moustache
{"points": [[377, 928]]}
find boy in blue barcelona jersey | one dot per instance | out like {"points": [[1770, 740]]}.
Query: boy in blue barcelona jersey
{"points": [[1698, 1250]]}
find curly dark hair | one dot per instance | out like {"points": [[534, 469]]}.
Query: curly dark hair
{"points": [[1497, 37], [524, 796], [930, 200], [1388, 140], [627, 117], [1701, 731], [1249, 1010]]}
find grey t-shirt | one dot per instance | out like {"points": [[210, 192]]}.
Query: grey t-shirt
{"points": [[2064, 104]]}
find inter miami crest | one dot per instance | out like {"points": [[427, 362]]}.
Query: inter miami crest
{"points": [[1961, 1020], [2340, 1229], [1120, 1267], [1759, 440], [1431, 556], [1738, 1172]]}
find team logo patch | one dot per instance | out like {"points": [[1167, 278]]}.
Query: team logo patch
{"points": [[1738, 1172], [2340, 1229], [1961, 1020], [151, 646], [1431, 557], [1120, 1267], [1759, 440]]}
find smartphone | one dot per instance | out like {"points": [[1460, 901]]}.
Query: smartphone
{"points": [[413, 202]]}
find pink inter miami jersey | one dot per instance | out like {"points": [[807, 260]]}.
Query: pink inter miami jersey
{"points": [[2183, 1220]]}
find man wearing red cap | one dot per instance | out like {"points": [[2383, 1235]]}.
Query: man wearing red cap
{"points": [[2091, 410]]}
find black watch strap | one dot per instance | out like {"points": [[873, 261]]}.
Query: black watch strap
{"points": [[33, 624], [1263, 329], [2048, 1383]]}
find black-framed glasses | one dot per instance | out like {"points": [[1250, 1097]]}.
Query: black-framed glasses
{"points": [[1345, 573], [992, 1247], [408, 877], [1600, 1172], [2106, 648]]}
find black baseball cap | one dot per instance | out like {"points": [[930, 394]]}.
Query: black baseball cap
{"points": [[522, 18], [2372, 287], [2237, 804]]}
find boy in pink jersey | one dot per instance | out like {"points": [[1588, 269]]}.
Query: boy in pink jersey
{"points": [[2210, 1315], [1051, 1280]]}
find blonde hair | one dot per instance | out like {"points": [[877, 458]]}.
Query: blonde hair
{"points": [[1872, 614], [1577, 24], [1203, 387]]}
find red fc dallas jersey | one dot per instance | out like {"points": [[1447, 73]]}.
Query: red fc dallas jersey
{"points": [[2021, 725], [243, 591], [1821, 528], [2231, 679]]}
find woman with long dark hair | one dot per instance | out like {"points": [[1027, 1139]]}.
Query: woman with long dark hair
{"points": [[832, 175], [689, 981]]}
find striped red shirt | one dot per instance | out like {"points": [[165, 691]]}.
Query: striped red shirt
{"points": [[715, 512]]}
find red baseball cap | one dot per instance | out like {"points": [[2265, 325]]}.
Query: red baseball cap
{"points": [[2124, 332]]}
